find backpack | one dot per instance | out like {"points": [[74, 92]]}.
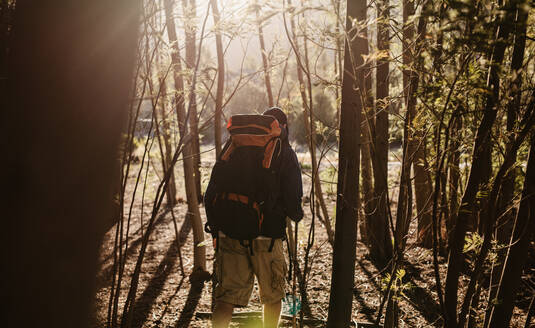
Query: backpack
{"points": [[245, 177]]}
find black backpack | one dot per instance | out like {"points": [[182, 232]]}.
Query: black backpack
{"points": [[245, 178]]}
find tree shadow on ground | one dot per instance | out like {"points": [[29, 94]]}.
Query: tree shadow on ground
{"points": [[154, 288], [104, 278], [420, 297], [368, 311], [364, 308], [168, 302], [194, 295]]}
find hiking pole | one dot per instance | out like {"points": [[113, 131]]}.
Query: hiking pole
{"points": [[294, 282]]}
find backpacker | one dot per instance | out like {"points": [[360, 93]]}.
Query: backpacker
{"points": [[245, 177]]}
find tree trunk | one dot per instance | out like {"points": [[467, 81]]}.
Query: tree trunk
{"points": [[63, 144], [488, 229], [341, 297], [265, 60], [379, 233], [166, 134], [193, 214], [505, 225], [410, 80], [392, 313], [465, 211], [163, 132], [311, 135], [412, 59], [220, 79], [517, 60], [337, 58], [177, 65], [454, 173], [423, 192], [404, 207], [367, 183], [518, 250], [478, 220], [366, 127], [191, 56], [162, 128]]}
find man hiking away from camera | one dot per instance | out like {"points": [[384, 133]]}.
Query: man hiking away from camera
{"points": [[254, 186]]}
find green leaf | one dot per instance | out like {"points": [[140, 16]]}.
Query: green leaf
{"points": [[482, 194]]}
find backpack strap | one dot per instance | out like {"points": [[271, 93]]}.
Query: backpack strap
{"points": [[216, 243], [226, 151], [269, 150], [271, 244]]}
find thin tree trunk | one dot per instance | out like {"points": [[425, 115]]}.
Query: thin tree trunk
{"points": [[454, 173], [220, 78], [391, 313], [367, 126], [119, 262], [367, 183], [340, 51], [379, 233], [265, 60], [165, 134], [505, 225], [337, 59], [531, 313], [313, 192], [478, 220], [344, 254], [517, 253], [465, 211], [190, 11], [509, 159], [404, 208], [193, 214], [417, 140], [311, 135], [423, 191], [176, 63], [164, 131]]}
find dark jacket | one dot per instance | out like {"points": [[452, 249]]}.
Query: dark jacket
{"points": [[288, 198]]}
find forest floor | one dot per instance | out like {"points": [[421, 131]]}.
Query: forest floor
{"points": [[164, 289]]}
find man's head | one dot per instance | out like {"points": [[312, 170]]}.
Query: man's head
{"points": [[280, 116]]}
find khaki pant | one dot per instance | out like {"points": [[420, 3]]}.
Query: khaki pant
{"points": [[235, 268]]}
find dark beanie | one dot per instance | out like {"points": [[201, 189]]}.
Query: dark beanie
{"points": [[281, 117], [278, 114]]}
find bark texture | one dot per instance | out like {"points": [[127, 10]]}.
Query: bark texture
{"points": [[378, 231], [517, 253], [220, 78], [466, 209], [265, 60], [190, 10], [348, 172], [62, 143]]}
